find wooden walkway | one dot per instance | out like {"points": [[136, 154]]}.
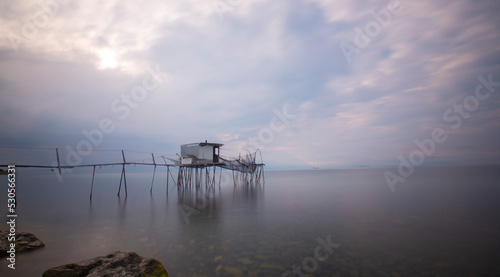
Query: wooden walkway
{"points": [[188, 174]]}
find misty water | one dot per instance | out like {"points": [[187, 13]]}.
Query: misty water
{"points": [[442, 221]]}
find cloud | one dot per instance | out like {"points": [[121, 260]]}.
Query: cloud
{"points": [[226, 77]]}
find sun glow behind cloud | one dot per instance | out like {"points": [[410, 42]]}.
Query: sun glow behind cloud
{"points": [[107, 60]]}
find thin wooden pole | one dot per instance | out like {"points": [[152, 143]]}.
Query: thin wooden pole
{"points": [[58, 162], [92, 186], [213, 178], [125, 181], [200, 176], [263, 178], [154, 172], [124, 173], [121, 178], [179, 176], [207, 177], [168, 171], [196, 180], [186, 175], [123, 155], [191, 172], [220, 176], [172, 176], [152, 181]]}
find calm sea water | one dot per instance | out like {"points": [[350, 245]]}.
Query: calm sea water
{"points": [[443, 221]]}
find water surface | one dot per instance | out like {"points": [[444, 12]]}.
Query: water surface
{"points": [[443, 221]]}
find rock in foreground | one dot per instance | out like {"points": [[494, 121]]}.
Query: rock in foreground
{"points": [[126, 264], [24, 242]]}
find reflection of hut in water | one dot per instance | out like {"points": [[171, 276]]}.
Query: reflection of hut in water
{"points": [[198, 176]]}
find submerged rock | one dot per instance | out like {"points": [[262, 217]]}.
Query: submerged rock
{"points": [[24, 242], [245, 261], [233, 270], [272, 266], [126, 264]]}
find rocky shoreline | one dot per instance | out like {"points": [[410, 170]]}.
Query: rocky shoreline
{"points": [[24, 242], [125, 264]]}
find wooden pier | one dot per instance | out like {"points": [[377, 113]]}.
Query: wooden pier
{"points": [[193, 171]]}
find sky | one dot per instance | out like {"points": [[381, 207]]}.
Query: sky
{"points": [[311, 83]]}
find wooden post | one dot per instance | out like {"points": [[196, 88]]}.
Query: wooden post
{"points": [[196, 180], [220, 177], [58, 162], [168, 171], [207, 176], [213, 180], [124, 173], [179, 176], [121, 178], [172, 176], [152, 181], [154, 172], [92, 186], [124, 176], [263, 178], [125, 181]]}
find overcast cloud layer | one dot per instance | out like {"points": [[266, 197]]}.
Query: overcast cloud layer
{"points": [[227, 71]]}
